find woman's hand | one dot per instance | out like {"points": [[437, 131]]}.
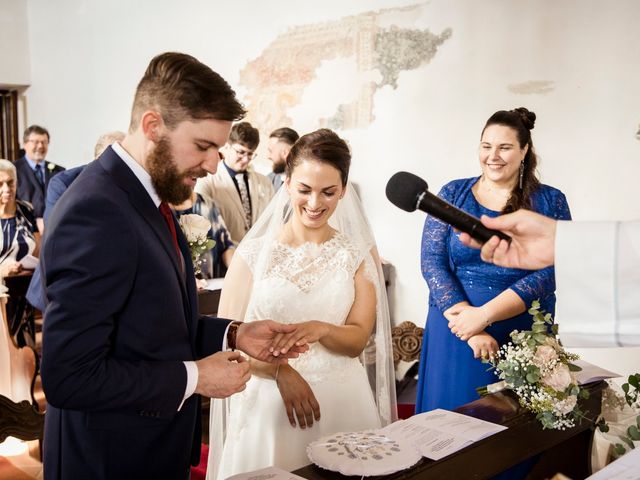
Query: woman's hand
{"points": [[451, 312], [10, 268], [483, 345], [305, 333], [466, 321], [298, 397]]}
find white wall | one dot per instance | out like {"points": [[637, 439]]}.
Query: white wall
{"points": [[87, 55], [14, 44]]}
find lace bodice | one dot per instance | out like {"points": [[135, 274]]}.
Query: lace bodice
{"points": [[309, 282]]}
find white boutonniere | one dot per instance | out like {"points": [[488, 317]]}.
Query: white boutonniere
{"points": [[195, 229], [51, 166]]}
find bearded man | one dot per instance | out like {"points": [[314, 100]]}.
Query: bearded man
{"points": [[125, 354]]}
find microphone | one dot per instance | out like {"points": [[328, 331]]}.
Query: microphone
{"points": [[408, 192]]}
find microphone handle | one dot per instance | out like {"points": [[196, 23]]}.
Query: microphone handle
{"points": [[434, 205]]}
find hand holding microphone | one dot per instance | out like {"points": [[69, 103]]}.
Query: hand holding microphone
{"points": [[409, 192]]}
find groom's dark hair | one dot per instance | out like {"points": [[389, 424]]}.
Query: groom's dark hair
{"points": [[325, 146], [180, 87]]}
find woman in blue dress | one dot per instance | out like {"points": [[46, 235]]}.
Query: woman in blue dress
{"points": [[473, 305]]}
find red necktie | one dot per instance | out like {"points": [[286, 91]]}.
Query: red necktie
{"points": [[168, 218]]}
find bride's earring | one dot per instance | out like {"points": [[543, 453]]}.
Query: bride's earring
{"points": [[521, 174]]}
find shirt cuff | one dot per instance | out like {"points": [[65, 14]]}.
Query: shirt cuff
{"points": [[225, 346], [192, 381]]}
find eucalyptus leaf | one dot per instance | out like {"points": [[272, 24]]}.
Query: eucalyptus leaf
{"points": [[532, 378], [540, 338], [627, 441]]}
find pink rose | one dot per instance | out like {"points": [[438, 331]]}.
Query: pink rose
{"points": [[544, 355], [559, 378]]}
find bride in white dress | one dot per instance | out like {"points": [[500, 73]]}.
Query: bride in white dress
{"points": [[310, 260]]}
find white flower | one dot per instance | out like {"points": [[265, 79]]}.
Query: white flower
{"points": [[559, 378], [195, 227], [563, 407], [544, 355]]}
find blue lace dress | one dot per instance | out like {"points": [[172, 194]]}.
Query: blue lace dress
{"points": [[454, 273]]}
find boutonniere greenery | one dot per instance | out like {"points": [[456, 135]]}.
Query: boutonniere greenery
{"points": [[196, 229]]}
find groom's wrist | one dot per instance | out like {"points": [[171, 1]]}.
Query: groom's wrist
{"points": [[232, 334]]}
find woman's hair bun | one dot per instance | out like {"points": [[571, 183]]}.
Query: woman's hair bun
{"points": [[528, 118]]}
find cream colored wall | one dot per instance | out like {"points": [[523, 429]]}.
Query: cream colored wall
{"points": [[87, 55], [14, 44]]}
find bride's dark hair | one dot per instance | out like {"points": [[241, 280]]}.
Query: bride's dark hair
{"points": [[324, 146]]}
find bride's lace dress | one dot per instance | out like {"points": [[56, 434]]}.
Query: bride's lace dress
{"points": [[310, 282]]}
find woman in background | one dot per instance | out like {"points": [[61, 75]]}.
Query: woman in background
{"points": [[20, 235], [473, 306]]}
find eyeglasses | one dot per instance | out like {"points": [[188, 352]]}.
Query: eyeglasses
{"points": [[39, 142], [244, 153]]}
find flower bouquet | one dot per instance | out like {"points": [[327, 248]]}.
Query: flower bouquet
{"points": [[538, 369], [196, 229]]}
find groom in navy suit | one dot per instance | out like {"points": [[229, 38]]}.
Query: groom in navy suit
{"points": [[125, 354]]}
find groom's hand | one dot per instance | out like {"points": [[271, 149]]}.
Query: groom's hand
{"points": [[257, 338], [222, 374]]}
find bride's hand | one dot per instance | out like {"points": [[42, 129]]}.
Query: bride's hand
{"points": [[298, 397], [305, 333]]}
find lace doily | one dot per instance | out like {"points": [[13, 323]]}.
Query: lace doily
{"points": [[365, 453]]}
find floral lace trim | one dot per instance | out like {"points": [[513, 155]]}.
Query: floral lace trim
{"points": [[306, 264]]}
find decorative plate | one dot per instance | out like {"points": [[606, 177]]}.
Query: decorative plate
{"points": [[365, 453]]}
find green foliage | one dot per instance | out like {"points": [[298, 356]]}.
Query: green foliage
{"points": [[631, 391]]}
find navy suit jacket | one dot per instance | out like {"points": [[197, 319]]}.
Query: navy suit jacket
{"points": [[57, 186], [121, 319], [29, 188]]}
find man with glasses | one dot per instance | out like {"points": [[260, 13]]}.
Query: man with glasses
{"points": [[34, 172], [240, 193]]}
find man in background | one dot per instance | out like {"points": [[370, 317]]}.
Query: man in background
{"points": [[34, 171], [240, 193], [280, 143]]}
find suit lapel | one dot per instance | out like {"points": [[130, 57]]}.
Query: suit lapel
{"points": [[190, 284], [31, 175], [141, 201]]}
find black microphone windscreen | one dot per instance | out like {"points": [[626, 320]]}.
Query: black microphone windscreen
{"points": [[403, 190]]}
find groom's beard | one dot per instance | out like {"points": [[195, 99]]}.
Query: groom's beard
{"points": [[165, 177], [278, 167]]}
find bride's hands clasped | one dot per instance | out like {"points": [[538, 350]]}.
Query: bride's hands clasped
{"points": [[299, 400]]}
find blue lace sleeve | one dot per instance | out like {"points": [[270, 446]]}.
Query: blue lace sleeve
{"points": [[539, 284], [444, 287]]}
